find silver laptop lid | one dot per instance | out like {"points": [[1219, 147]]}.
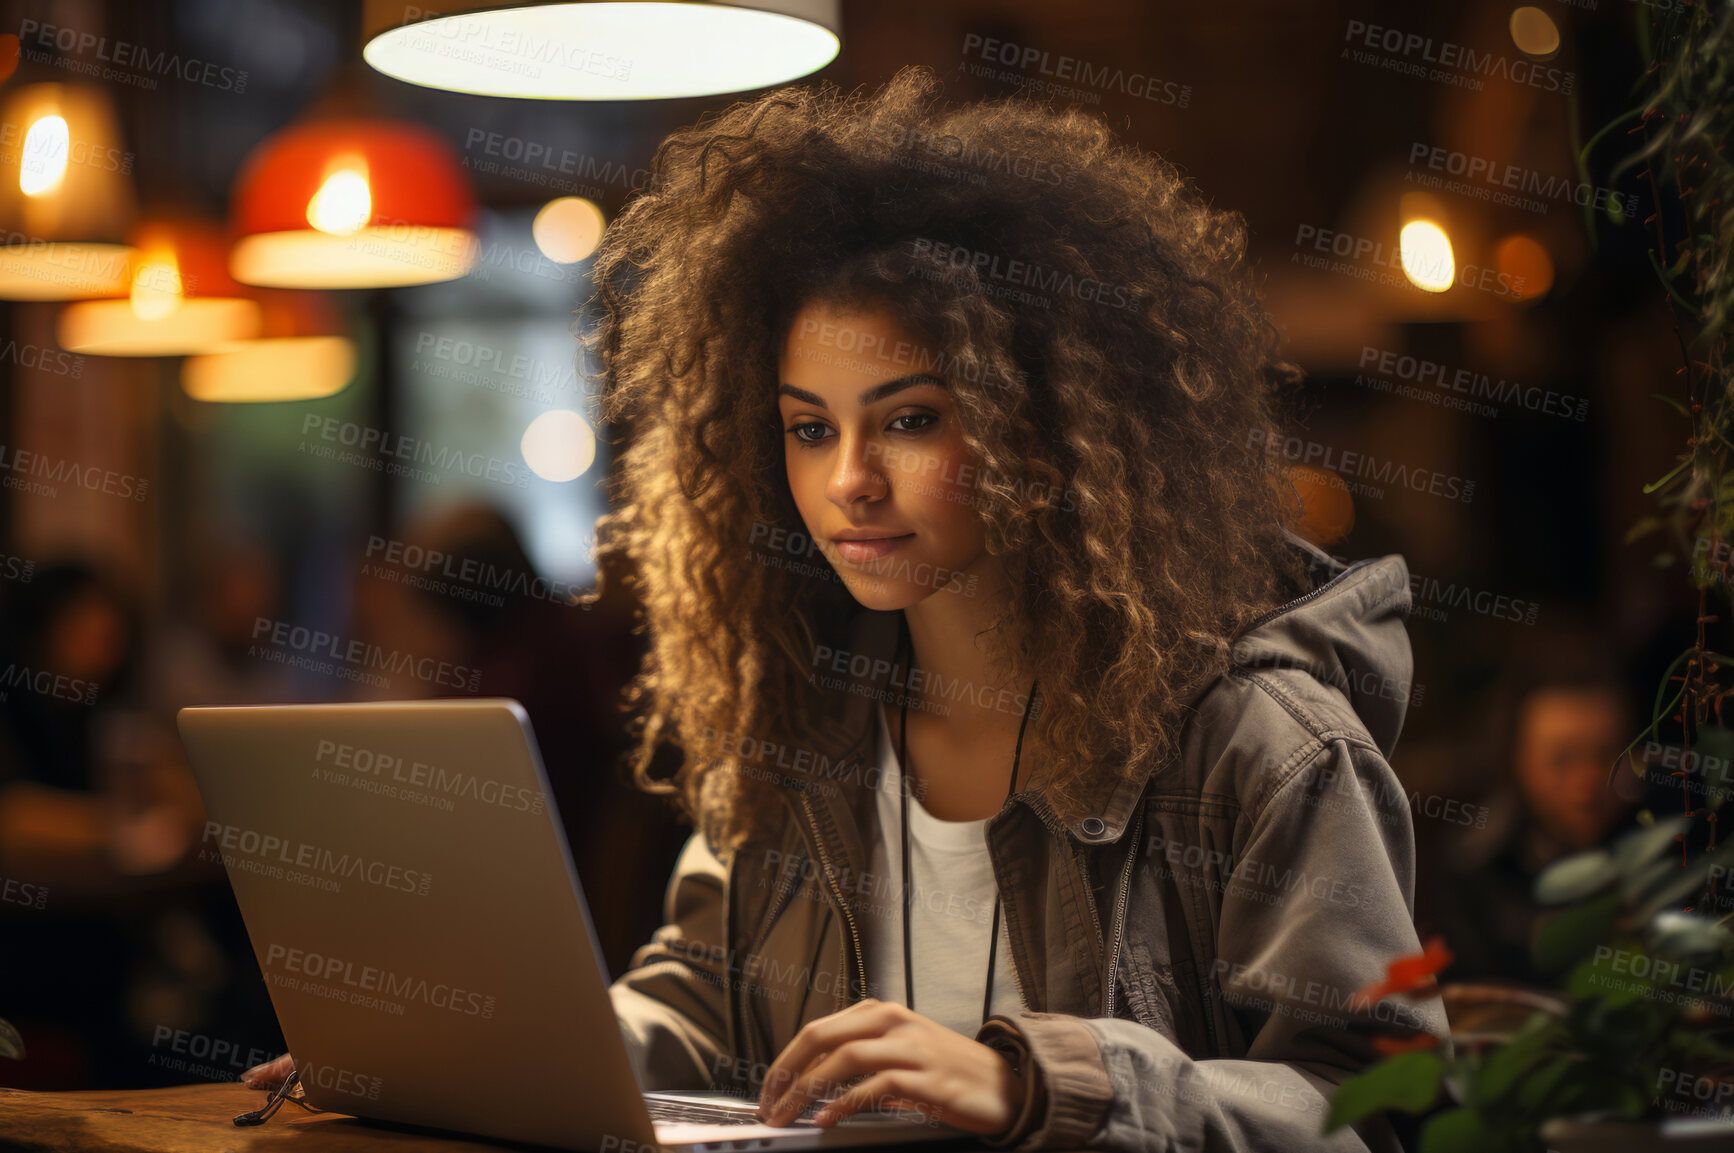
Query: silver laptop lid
{"points": [[414, 908]]}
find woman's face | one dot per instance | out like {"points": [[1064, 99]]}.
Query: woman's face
{"points": [[875, 452]]}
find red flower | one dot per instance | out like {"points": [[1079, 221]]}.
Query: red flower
{"points": [[1392, 1045], [1405, 974]]}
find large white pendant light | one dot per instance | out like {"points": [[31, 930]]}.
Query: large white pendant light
{"points": [[601, 49]]}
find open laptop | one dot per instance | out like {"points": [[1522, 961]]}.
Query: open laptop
{"points": [[411, 898]]}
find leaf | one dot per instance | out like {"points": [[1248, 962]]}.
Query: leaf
{"points": [[1505, 1066], [1672, 403], [1641, 846], [1678, 934], [1671, 474], [1408, 1081], [1573, 933], [1644, 525], [1456, 1131], [1538, 1087], [1576, 877], [11, 1044]]}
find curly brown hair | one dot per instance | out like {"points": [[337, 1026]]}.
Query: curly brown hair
{"points": [[1125, 363]]}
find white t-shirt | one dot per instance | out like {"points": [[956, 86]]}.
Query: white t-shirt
{"points": [[951, 909]]}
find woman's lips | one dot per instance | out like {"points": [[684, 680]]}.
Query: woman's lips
{"points": [[860, 551]]}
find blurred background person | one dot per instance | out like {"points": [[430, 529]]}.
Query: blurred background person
{"points": [[1557, 719]]}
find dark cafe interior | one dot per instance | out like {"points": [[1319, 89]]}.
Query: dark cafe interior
{"points": [[730, 524]]}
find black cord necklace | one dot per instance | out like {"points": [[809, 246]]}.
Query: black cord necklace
{"points": [[903, 802]]}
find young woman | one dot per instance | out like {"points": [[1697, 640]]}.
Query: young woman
{"points": [[1040, 773]]}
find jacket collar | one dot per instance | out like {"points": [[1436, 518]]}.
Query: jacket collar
{"points": [[1100, 809]]}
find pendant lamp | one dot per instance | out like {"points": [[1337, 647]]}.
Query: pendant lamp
{"points": [[352, 202], [302, 353], [178, 300], [66, 195], [600, 49]]}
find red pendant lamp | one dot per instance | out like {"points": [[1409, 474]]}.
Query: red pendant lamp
{"points": [[352, 202]]}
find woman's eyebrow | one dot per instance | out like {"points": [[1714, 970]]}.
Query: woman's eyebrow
{"points": [[872, 396]]}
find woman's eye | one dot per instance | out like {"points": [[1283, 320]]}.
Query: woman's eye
{"points": [[924, 417], [797, 430]]}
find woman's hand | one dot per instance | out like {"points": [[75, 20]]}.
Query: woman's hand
{"points": [[910, 1062], [269, 1075]]}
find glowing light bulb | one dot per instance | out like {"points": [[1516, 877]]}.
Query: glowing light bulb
{"points": [[1426, 253], [568, 229], [43, 165], [558, 445], [343, 205], [156, 286]]}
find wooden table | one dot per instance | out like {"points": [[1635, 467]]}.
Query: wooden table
{"points": [[196, 1119], [200, 1119]]}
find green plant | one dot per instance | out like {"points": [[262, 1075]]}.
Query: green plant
{"points": [[1624, 938], [1648, 1002]]}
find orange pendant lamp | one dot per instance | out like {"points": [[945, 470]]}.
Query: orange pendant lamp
{"points": [[302, 353], [179, 299], [66, 194], [352, 202]]}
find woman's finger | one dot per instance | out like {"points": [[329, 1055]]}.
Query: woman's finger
{"points": [[891, 1089], [269, 1075], [866, 1018], [833, 1070]]}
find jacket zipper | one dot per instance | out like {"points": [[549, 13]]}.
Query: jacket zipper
{"points": [[1305, 597], [842, 904], [1120, 913], [785, 889]]}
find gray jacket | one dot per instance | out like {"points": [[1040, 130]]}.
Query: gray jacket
{"points": [[1237, 897]]}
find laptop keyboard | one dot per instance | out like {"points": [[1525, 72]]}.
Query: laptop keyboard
{"points": [[720, 1113]]}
